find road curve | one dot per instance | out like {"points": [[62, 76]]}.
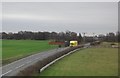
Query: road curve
{"points": [[13, 68]]}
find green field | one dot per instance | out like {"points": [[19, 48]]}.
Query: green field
{"points": [[0, 52], [94, 61], [15, 49], [0, 49]]}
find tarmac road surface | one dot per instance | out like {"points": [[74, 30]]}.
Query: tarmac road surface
{"points": [[13, 68]]}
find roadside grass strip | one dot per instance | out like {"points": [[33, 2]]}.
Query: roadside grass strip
{"points": [[87, 62], [15, 49]]}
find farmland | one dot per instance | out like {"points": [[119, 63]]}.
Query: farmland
{"points": [[95, 61], [0, 52], [16, 49]]}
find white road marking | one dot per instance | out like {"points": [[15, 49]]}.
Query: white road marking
{"points": [[29, 61], [19, 61], [43, 68], [26, 58], [19, 66], [37, 58], [12, 70], [6, 73]]}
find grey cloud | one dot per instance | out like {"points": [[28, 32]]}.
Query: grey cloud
{"points": [[94, 17]]}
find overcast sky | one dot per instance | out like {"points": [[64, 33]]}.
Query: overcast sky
{"points": [[90, 17]]}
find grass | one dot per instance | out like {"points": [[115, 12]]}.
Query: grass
{"points": [[0, 53], [15, 49], [94, 61], [0, 49]]}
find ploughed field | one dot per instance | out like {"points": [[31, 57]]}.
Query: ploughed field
{"points": [[99, 60], [15, 49]]}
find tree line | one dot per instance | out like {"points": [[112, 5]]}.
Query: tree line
{"points": [[61, 36], [110, 37]]}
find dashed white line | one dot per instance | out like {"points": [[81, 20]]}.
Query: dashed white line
{"points": [[37, 58], [29, 62], [25, 58], [12, 70], [20, 66], [6, 73]]}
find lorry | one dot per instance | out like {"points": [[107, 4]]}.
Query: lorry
{"points": [[73, 43]]}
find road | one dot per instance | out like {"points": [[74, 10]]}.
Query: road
{"points": [[13, 68]]}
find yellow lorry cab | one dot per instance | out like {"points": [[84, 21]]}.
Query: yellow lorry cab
{"points": [[73, 43]]}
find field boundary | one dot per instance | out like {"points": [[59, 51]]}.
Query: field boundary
{"points": [[22, 58], [46, 66], [42, 64]]}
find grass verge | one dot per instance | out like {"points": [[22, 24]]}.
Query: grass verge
{"points": [[88, 62], [16, 49]]}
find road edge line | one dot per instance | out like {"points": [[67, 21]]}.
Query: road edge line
{"points": [[46, 66]]}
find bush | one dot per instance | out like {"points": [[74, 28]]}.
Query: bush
{"points": [[37, 66]]}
